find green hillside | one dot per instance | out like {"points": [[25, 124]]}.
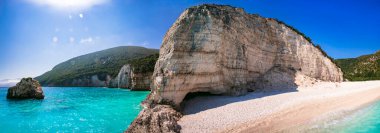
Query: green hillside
{"points": [[365, 67], [101, 63]]}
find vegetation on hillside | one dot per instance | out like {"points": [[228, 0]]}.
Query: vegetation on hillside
{"points": [[101, 63], [144, 64], [365, 67]]}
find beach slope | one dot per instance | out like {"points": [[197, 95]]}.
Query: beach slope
{"points": [[276, 111]]}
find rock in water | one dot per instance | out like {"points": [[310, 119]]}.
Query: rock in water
{"points": [[123, 78], [224, 50], [159, 119], [27, 88]]}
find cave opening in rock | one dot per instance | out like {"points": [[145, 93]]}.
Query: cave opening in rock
{"points": [[192, 95]]}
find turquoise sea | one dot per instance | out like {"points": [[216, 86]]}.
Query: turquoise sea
{"points": [[71, 109], [365, 120], [93, 109]]}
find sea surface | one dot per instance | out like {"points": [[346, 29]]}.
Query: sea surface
{"points": [[364, 120], [71, 109]]}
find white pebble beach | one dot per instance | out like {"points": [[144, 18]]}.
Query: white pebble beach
{"points": [[275, 111]]}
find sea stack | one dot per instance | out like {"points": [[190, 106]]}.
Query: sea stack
{"points": [[27, 88], [224, 50], [123, 78], [129, 78]]}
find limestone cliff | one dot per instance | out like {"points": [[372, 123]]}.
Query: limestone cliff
{"points": [[224, 50], [123, 78], [141, 81], [131, 79]]}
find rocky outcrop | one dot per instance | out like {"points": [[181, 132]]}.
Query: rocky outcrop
{"points": [[159, 119], [27, 88], [224, 50], [128, 78], [123, 78], [141, 81]]}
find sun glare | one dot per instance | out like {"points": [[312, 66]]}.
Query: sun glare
{"points": [[69, 4]]}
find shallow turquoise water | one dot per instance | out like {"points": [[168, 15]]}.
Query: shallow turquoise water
{"points": [[365, 120], [71, 109]]}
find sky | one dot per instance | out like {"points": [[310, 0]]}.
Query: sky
{"points": [[36, 35]]}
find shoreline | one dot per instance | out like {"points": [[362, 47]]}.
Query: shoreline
{"points": [[307, 113], [332, 119], [275, 112]]}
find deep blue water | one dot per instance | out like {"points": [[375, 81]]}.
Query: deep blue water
{"points": [[71, 109]]}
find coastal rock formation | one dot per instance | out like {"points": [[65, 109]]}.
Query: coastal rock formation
{"points": [[128, 78], [141, 81], [123, 78], [25, 89], [159, 119], [224, 50]]}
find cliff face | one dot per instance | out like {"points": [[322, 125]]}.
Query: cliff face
{"points": [[224, 50], [123, 78], [128, 78], [141, 81]]}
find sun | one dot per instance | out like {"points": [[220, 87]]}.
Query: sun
{"points": [[69, 4]]}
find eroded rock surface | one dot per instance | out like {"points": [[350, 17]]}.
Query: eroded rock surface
{"points": [[123, 78], [141, 81], [27, 88], [158, 119], [224, 50], [128, 78]]}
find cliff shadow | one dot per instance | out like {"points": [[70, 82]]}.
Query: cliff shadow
{"points": [[274, 82], [194, 104]]}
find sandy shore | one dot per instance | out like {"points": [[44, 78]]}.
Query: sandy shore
{"points": [[276, 111]]}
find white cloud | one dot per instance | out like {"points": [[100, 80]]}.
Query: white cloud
{"points": [[55, 39], [9, 82], [72, 39], [86, 40], [69, 4], [143, 44], [81, 15]]}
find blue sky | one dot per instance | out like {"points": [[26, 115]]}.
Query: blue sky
{"points": [[35, 35]]}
